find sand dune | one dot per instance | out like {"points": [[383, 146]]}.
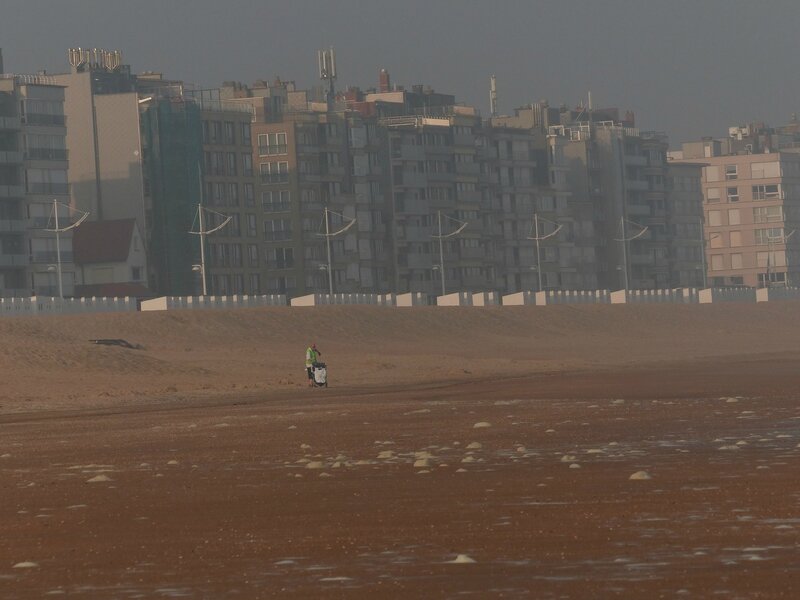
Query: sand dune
{"points": [[48, 362]]}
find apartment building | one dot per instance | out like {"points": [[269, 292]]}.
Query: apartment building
{"points": [[33, 188], [751, 215]]}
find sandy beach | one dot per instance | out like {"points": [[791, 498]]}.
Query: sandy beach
{"points": [[564, 452]]}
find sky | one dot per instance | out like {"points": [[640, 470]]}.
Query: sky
{"points": [[690, 68]]}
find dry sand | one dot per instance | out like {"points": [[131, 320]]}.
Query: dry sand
{"points": [[564, 452]]}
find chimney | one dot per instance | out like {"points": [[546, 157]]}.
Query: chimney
{"points": [[384, 84]]}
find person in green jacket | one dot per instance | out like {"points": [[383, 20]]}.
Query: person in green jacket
{"points": [[312, 357]]}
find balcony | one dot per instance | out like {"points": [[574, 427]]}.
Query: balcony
{"points": [[637, 185], [45, 120], [417, 180], [468, 168], [12, 225], [635, 160], [473, 197], [50, 257], [11, 191], [472, 253], [13, 260], [272, 150], [11, 157], [280, 265], [45, 154], [48, 188], [273, 178], [10, 123], [14, 293], [276, 207], [277, 236]]}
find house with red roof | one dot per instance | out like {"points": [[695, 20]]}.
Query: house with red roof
{"points": [[110, 259]]}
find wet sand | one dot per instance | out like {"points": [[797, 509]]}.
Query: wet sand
{"points": [[371, 491]]}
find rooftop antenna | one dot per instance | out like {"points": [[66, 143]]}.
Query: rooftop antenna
{"points": [[625, 241], [327, 71], [540, 238], [493, 95], [441, 237], [58, 231], [328, 235]]}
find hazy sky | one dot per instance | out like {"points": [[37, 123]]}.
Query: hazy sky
{"points": [[687, 67]]}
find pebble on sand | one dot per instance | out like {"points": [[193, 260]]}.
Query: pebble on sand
{"points": [[574, 466], [314, 464], [462, 559], [25, 565], [422, 463], [386, 454], [640, 476], [98, 479], [481, 425], [475, 446]]}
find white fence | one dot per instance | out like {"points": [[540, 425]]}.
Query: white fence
{"points": [[673, 296], [209, 302], [777, 294], [734, 294], [546, 297], [323, 299], [45, 305]]}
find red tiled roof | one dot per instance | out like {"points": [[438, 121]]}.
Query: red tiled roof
{"points": [[102, 241], [113, 290]]}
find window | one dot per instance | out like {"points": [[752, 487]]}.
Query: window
{"points": [[136, 273], [275, 172], [763, 170], [230, 136], [714, 218], [717, 262], [244, 134], [736, 261], [731, 172], [308, 199], [252, 255], [733, 194], [270, 144], [767, 214], [249, 195], [277, 201], [231, 163], [255, 283], [247, 165], [47, 181], [216, 132], [766, 192], [736, 239], [233, 194], [252, 225], [734, 217], [712, 195], [767, 236], [280, 258], [277, 230]]}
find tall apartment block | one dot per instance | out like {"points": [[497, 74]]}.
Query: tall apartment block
{"points": [[751, 219], [33, 174], [618, 176]]}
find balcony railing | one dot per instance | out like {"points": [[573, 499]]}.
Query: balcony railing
{"points": [[272, 150], [42, 119], [11, 191], [12, 225], [48, 188], [9, 123], [274, 207], [45, 154], [13, 260], [12, 157], [278, 265], [270, 178], [277, 236], [50, 256]]}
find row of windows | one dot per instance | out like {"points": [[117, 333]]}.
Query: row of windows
{"points": [[225, 164], [224, 132], [759, 192], [761, 214]]}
